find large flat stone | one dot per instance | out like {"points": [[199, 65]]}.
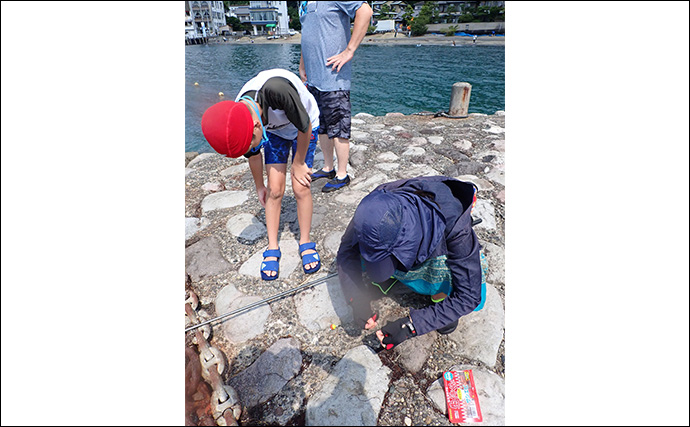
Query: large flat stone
{"points": [[322, 305], [495, 257], [479, 333], [350, 197], [246, 226], [370, 183], [485, 210], [201, 158], [388, 166], [352, 394], [223, 199], [414, 152], [191, 226], [420, 170], [482, 184], [332, 241], [269, 373], [497, 174], [289, 260], [235, 170], [490, 393], [246, 324], [204, 258]]}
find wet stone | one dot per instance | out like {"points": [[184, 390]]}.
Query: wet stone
{"points": [[479, 333], [269, 373], [363, 116]]}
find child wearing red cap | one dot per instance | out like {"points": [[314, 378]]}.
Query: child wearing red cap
{"points": [[273, 111]]}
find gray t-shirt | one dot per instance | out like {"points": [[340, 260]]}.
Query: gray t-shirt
{"points": [[326, 32]]}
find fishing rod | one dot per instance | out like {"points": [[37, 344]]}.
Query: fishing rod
{"points": [[263, 301]]}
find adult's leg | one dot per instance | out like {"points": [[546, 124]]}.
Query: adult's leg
{"points": [[276, 189], [326, 144], [342, 149]]}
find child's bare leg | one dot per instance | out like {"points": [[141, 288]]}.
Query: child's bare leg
{"points": [[276, 189], [304, 214]]}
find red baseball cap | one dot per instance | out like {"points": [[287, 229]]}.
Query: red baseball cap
{"points": [[228, 127]]}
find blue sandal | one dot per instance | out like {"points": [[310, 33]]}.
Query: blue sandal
{"points": [[270, 265], [309, 258]]}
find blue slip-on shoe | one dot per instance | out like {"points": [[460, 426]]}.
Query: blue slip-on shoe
{"points": [[309, 258], [270, 265], [321, 174], [336, 184]]}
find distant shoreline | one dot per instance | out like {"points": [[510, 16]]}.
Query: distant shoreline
{"points": [[387, 39]]}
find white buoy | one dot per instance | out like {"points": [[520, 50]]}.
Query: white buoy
{"points": [[196, 83], [221, 94]]}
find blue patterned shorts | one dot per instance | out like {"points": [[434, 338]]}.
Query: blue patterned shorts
{"points": [[277, 149]]}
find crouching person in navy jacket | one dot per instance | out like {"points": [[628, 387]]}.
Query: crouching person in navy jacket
{"points": [[415, 234]]}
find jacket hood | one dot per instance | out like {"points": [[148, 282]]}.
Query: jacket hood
{"points": [[398, 223]]}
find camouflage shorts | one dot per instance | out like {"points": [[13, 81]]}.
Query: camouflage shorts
{"points": [[334, 106]]}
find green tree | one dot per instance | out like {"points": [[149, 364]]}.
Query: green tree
{"points": [[234, 22], [385, 11], [451, 30], [293, 14]]}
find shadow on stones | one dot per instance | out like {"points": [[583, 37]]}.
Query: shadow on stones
{"points": [[345, 405]]}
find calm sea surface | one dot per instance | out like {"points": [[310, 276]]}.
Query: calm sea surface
{"points": [[404, 79]]}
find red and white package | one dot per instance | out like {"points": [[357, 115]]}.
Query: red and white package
{"points": [[461, 397]]}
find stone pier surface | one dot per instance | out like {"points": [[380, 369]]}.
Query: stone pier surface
{"points": [[299, 359]]}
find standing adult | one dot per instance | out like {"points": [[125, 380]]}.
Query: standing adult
{"points": [[327, 48]]}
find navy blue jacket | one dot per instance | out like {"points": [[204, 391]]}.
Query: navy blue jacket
{"points": [[458, 242]]}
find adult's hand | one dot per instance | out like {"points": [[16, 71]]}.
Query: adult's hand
{"points": [[337, 61]]}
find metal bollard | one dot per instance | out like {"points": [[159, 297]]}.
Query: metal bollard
{"points": [[460, 99]]}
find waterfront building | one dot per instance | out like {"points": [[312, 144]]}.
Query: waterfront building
{"points": [[203, 18], [269, 17]]}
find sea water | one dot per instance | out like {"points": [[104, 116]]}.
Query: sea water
{"points": [[393, 78]]}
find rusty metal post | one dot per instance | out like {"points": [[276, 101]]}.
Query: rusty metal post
{"points": [[460, 99]]}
